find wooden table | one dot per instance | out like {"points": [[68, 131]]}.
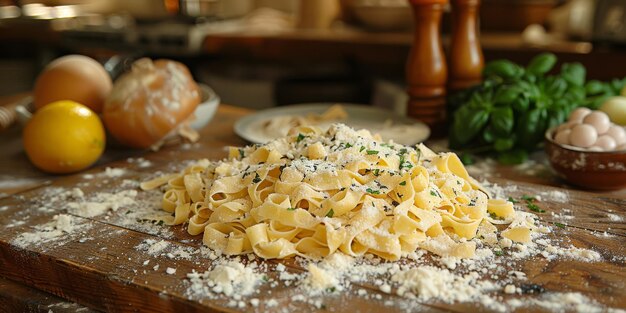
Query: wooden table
{"points": [[100, 272]]}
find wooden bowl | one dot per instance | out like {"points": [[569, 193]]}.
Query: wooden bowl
{"points": [[588, 169]]}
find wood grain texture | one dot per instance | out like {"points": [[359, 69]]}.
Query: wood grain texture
{"points": [[101, 267], [12, 297], [112, 262]]}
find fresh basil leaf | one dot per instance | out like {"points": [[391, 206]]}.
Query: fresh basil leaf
{"points": [[521, 104], [555, 87], [541, 64], [502, 68], [527, 126], [504, 144], [574, 73], [502, 120], [507, 94], [517, 156], [468, 123], [489, 135], [594, 87]]}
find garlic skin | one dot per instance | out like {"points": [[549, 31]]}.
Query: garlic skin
{"points": [[149, 102]]}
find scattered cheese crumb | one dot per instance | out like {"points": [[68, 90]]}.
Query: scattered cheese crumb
{"points": [[509, 289], [385, 288]]}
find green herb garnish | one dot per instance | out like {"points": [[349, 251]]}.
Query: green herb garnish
{"points": [[330, 213], [374, 192], [535, 208], [370, 152], [300, 137], [402, 183], [560, 225], [257, 178], [291, 209]]}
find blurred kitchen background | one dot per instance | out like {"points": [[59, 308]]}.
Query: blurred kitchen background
{"points": [[263, 53]]}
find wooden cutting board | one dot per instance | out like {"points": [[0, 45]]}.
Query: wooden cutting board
{"points": [[103, 269]]}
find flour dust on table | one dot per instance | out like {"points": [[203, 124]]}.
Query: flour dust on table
{"points": [[408, 227]]}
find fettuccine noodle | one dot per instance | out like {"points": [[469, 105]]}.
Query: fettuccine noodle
{"points": [[312, 193]]}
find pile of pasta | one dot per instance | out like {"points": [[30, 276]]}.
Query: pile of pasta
{"points": [[313, 193]]}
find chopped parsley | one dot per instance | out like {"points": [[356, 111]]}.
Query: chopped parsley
{"points": [[494, 216], [257, 178], [512, 200], [403, 183], [404, 163], [330, 213], [374, 192], [370, 152], [533, 207], [560, 225], [528, 198], [361, 149], [291, 209], [376, 172], [300, 137], [241, 153], [498, 252]]}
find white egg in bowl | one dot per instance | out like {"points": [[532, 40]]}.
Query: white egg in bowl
{"points": [[587, 168]]}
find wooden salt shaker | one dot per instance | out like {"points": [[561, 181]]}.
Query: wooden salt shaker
{"points": [[466, 56], [426, 71]]}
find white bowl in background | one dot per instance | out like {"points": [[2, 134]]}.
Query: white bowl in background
{"points": [[206, 109]]}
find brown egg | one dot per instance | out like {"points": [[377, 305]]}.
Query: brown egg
{"points": [[583, 136], [73, 77]]}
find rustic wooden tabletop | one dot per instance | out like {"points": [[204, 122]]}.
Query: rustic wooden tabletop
{"points": [[106, 268]]}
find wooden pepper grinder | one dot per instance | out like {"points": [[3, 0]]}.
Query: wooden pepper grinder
{"points": [[426, 71], [466, 56]]}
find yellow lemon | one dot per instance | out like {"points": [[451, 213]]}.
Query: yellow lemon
{"points": [[64, 137]]}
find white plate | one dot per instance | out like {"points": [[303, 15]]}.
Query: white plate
{"points": [[390, 126]]}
